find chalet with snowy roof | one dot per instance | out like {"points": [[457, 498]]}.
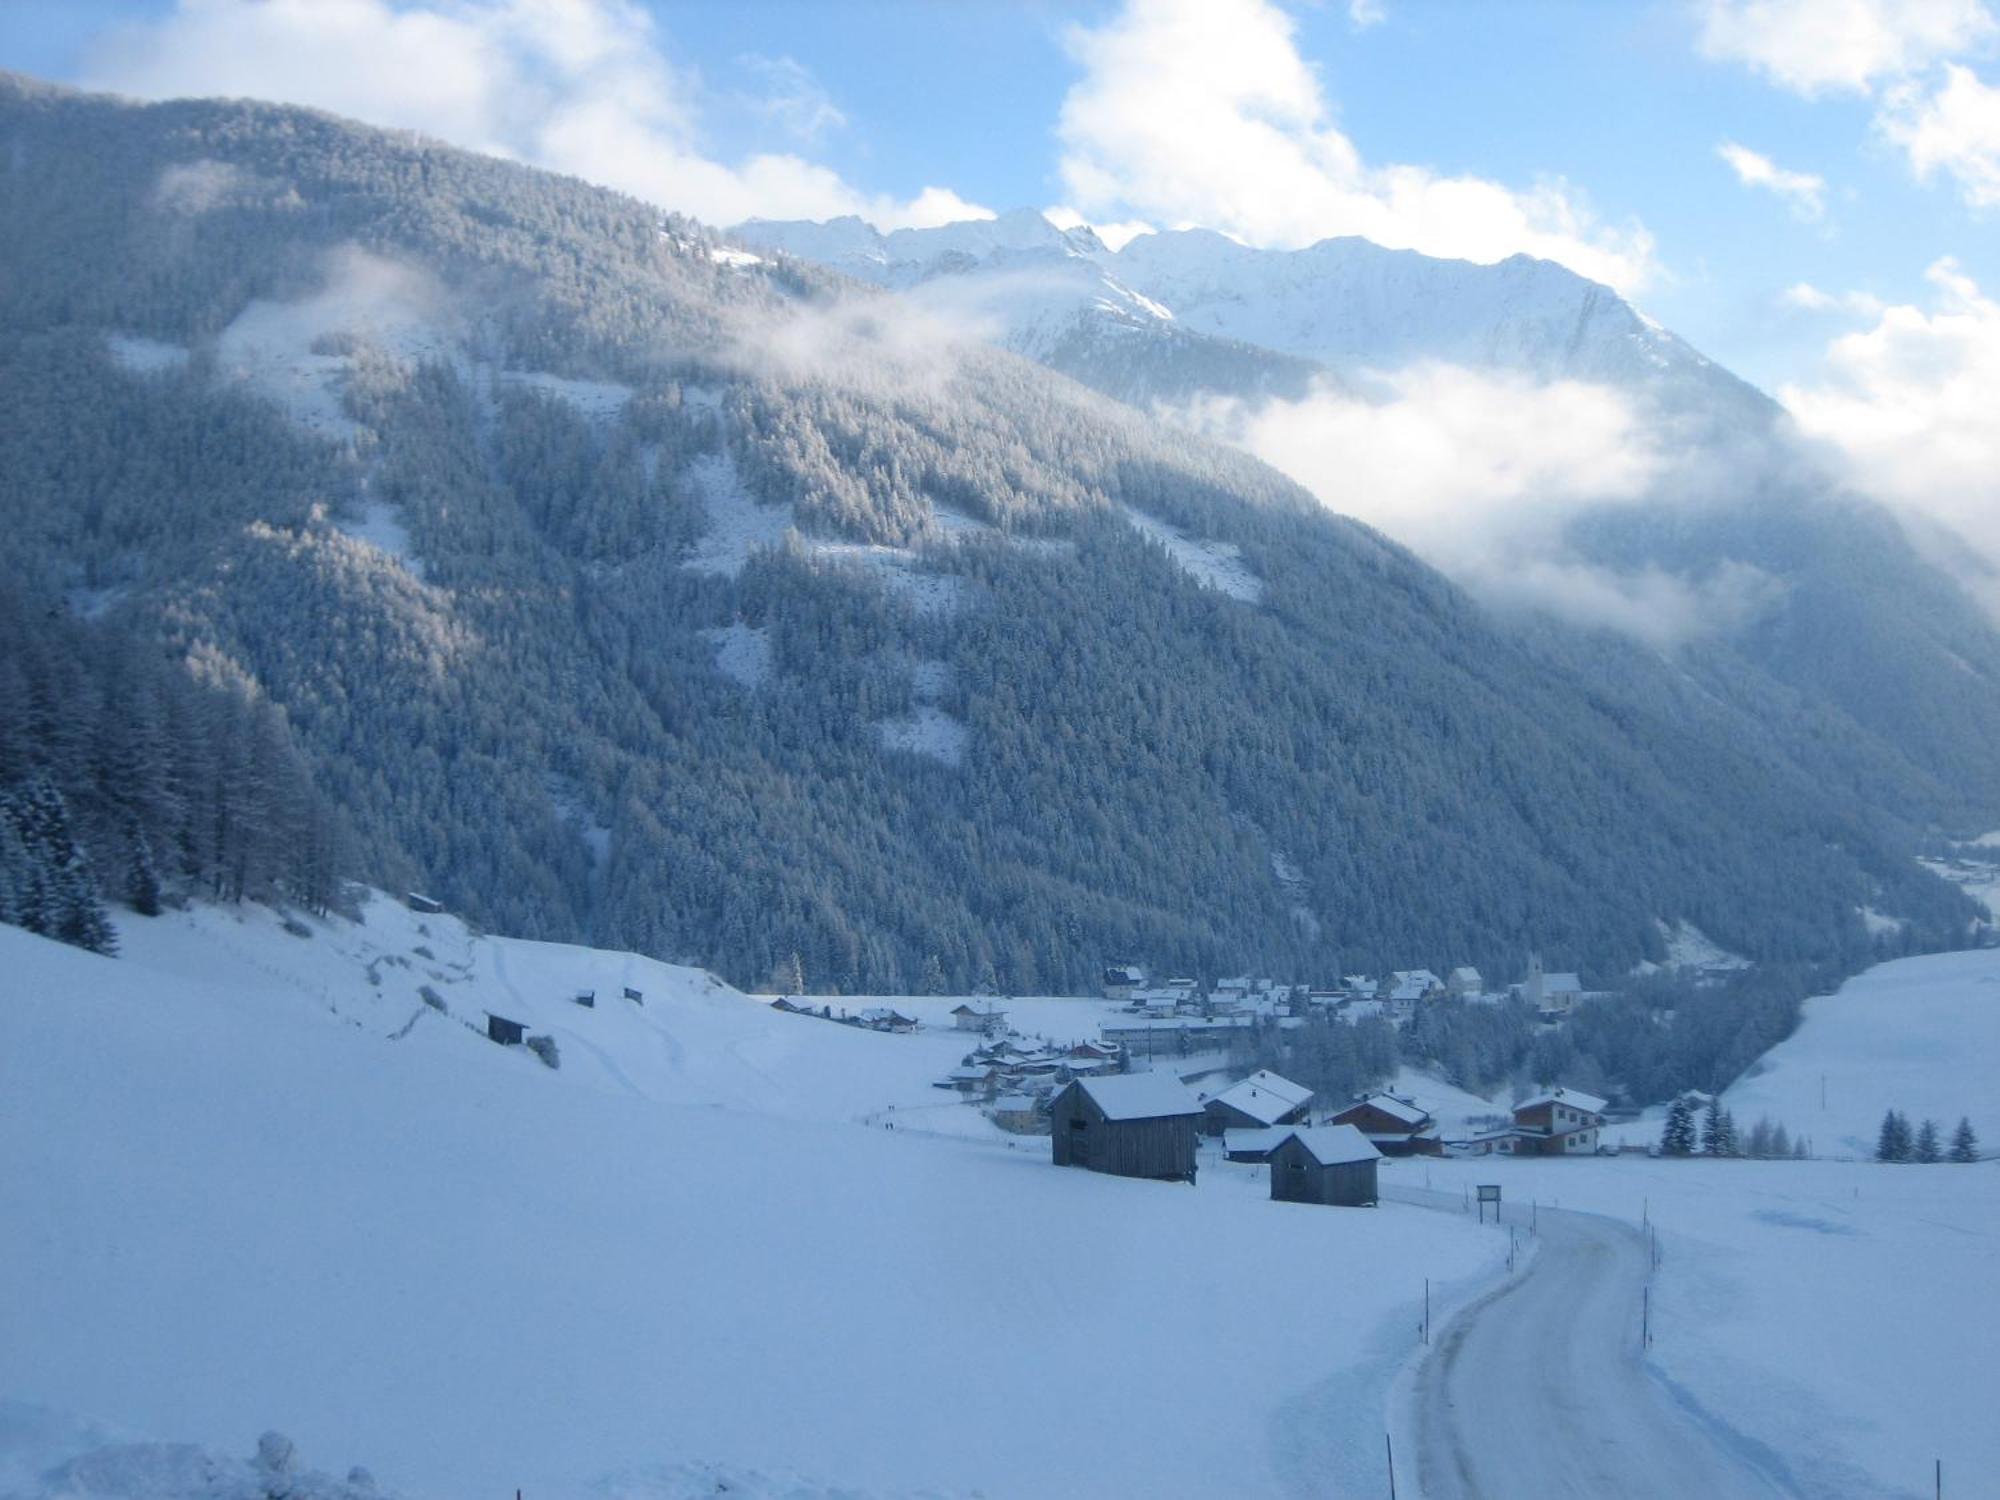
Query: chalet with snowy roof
{"points": [[1132, 1125], [1017, 1114], [1332, 1165], [1464, 982], [882, 1018], [979, 1015], [1255, 1103], [1122, 981], [1557, 1122], [1393, 1124]]}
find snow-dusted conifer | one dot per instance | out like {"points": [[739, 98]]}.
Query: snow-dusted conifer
{"points": [[1964, 1144], [1927, 1148], [1678, 1137]]}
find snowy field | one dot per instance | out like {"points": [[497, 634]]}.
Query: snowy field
{"points": [[268, 1191]]}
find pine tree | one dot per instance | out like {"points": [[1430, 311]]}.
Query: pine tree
{"points": [[1801, 1149], [1893, 1143], [1927, 1149], [1964, 1144], [1759, 1142], [1781, 1141], [1729, 1145], [1714, 1133], [1678, 1137], [933, 982], [142, 879]]}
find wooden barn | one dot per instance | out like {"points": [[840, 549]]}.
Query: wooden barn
{"points": [[1394, 1125], [1256, 1103], [507, 1033], [1130, 1125], [1333, 1165]]}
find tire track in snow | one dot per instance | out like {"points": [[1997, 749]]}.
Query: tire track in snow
{"points": [[1540, 1391]]}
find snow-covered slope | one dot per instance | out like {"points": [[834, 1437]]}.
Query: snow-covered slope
{"points": [[1920, 1035], [253, 1189]]}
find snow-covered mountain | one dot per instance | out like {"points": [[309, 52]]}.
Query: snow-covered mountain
{"points": [[1189, 323], [1341, 306]]}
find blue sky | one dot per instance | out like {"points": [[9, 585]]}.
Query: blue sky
{"points": [[1624, 105]]}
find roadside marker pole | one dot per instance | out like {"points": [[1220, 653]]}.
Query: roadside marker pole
{"points": [[1646, 1319], [1427, 1309], [1389, 1443]]}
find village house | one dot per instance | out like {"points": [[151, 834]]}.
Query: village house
{"points": [[979, 1015], [1417, 984], [1017, 1114], [1122, 981], [1464, 983], [1393, 1125], [1556, 1122], [882, 1018], [1132, 1125], [1332, 1164], [1257, 1102]]}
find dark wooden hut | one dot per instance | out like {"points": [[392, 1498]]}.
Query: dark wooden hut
{"points": [[1333, 1164], [1130, 1125], [507, 1033]]}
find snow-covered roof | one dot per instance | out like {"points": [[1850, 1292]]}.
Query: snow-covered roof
{"points": [[1410, 989], [1013, 1104], [1574, 1098], [1264, 1140], [1394, 1106], [1465, 974], [1561, 984], [978, 1008], [1264, 1096], [1333, 1145], [1140, 1096]]}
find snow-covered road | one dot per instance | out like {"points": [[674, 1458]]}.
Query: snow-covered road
{"points": [[1540, 1389]]}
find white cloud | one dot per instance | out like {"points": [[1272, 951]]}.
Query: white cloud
{"points": [[1954, 129], [1361, 14], [1909, 407], [1806, 297], [1480, 474], [1831, 46], [578, 86], [792, 97], [1803, 193], [1908, 55], [1203, 111]]}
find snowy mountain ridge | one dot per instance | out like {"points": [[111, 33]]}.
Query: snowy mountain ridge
{"points": [[1344, 304]]}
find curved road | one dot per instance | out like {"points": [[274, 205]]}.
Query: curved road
{"points": [[1539, 1390]]}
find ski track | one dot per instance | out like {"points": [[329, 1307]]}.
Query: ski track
{"points": [[1540, 1390]]}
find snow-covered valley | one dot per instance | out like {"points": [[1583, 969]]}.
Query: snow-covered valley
{"points": [[271, 1186]]}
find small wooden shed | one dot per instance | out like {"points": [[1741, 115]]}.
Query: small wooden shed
{"points": [[507, 1033], [428, 906], [1130, 1125], [1332, 1164]]}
